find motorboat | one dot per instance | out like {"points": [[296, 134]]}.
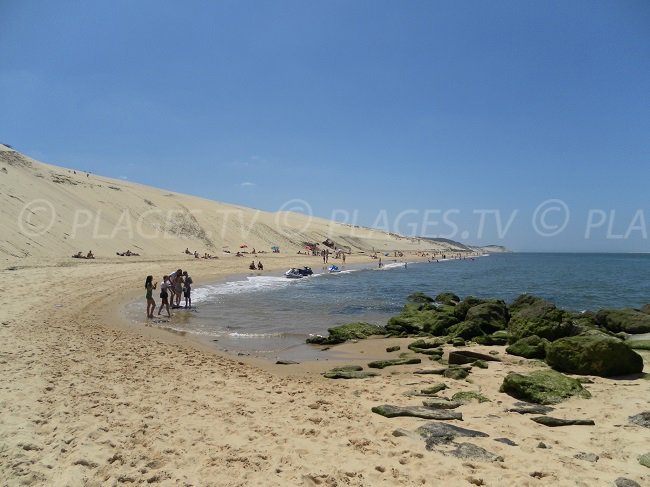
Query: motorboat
{"points": [[296, 273]]}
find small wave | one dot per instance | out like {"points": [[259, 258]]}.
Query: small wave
{"points": [[251, 284]]}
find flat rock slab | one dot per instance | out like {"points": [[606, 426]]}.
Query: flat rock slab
{"points": [[588, 457], [380, 364], [436, 433], [623, 482], [641, 419], [442, 370], [440, 403], [287, 362], [467, 451], [506, 441], [415, 411], [553, 422], [349, 374], [461, 357], [526, 408]]}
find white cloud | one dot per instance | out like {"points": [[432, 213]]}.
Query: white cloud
{"points": [[248, 184]]}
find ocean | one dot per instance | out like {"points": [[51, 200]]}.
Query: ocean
{"points": [[269, 315]]}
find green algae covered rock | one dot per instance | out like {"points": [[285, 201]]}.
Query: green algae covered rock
{"points": [[434, 389], [469, 396], [645, 460], [529, 347], [349, 372], [447, 298], [390, 411], [593, 355], [491, 316], [531, 315], [543, 387], [427, 343], [422, 319], [380, 364], [638, 344], [343, 333], [419, 297], [466, 330], [455, 373], [628, 320]]}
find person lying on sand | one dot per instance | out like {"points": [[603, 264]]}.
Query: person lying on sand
{"points": [[78, 255]]}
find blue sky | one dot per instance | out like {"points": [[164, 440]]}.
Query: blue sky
{"points": [[422, 117]]}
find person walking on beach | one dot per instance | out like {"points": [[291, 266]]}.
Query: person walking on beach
{"points": [[164, 295], [380, 262], [187, 290], [151, 304]]}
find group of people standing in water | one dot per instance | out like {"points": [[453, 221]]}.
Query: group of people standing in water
{"points": [[176, 285]]}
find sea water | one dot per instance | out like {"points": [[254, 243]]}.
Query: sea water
{"points": [[269, 315]]}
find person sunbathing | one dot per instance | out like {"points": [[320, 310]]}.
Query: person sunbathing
{"points": [[78, 255], [90, 255]]}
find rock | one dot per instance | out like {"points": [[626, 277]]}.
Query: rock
{"points": [[466, 330], [419, 297], [623, 482], [531, 315], [638, 344], [400, 432], [441, 371], [593, 355], [461, 309], [458, 342], [542, 445], [588, 457], [645, 460], [641, 419], [455, 373], [469, 396], [467, 451], [628, 320], [434, 389], [416, 319], [286, 362], [529, 347], [645, 309], [380, 364], [554, 422], [441, 403], [350, 331], [427, 343], [461, 357], [491, 316], [349, 374], [390, 411], [506, 441], [437, 433], [447, 298], [526, 408], [481, 364], [542, 387], [499, 337], [393, 349], [427, 351]]}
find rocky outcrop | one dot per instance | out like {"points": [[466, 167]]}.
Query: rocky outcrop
{"points": [[593, 355], [627, 320], [543, 387], [343, 333]]}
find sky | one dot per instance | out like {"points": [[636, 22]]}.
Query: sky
{"points": [[517, 123]]}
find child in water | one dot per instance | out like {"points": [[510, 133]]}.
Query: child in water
{"points": [[164, 296], [151, 304]]}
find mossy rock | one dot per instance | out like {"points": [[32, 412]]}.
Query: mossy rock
{"points": [[645, 460], [419, 297], [645, 309], [481, 364], [593, 355], [455, 373], [491, 316], [349, 372], [350, 331], [551, 328], [457, 342], [411, 321], [529, 347], [466, 330], [543, 387], [394, 348], [447, 298], [427, 343], [638, 344], [469, 396], [427, 351], [380, 364], [461, 309], [499, 337], [628, 320], [434, 389]]}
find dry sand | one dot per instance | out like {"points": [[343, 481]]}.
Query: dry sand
{"points": [[88, 399]]}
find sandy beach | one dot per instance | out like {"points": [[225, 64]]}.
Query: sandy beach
{"points": [[90, 399]]}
